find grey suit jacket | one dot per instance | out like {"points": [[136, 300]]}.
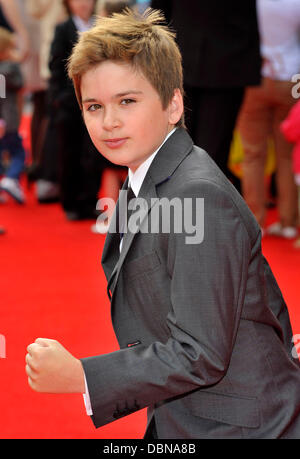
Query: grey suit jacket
{"points": [[204, 333]]}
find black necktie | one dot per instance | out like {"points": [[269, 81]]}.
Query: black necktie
{"points": [[122, 204], [129, 196]]}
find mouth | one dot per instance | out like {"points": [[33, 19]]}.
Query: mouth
{"points": [[115, 143]]}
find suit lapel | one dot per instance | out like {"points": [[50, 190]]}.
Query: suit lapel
{"points": [[111, 249], [147, 193]]}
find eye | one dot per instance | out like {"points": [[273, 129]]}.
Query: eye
{"points": [[127, 101], [93, 107]]}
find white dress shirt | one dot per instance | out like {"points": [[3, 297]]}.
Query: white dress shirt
{"points": [[135, 181]]}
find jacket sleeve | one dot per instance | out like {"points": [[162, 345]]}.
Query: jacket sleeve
{"points": [[61, 90], [208, 282]]}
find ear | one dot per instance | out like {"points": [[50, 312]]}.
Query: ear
{"points": [[175, 108]]}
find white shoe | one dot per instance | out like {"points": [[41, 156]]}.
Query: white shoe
{"points": [[287, 232], [13, 188], [46, 190]]}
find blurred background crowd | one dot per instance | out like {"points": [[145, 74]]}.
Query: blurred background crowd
{"points": [[241, 63]]}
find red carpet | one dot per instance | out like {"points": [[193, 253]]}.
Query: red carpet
{"points": [[52, 286]]}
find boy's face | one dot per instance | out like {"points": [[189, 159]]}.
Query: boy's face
{"points": [[123, 113]]}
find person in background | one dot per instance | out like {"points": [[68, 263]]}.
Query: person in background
{"points": [[10, 140], [219, 42], [49, 13], [263, 110], [2, 127], [42, 18], [2, 199], [11, 19], [79, 165], [290, 128], [108, 7]]}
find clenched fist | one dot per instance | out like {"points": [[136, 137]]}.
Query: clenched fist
{"points": [[51, 368]]}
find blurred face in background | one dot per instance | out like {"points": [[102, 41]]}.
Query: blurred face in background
{"points": [[82, 8]]}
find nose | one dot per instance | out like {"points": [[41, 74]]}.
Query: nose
{"points": [[110, 119]]}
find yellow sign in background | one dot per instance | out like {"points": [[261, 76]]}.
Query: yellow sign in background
{"points": [[237, 154]]}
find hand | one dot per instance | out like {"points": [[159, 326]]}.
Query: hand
{"points": [[51, 368]]}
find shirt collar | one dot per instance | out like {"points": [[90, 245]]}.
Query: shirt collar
{"points": [[81, 25], [135, 179]]}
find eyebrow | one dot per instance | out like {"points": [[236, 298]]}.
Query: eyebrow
{"points": [[120, 94]]}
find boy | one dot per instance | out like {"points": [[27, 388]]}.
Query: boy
{"points": [[204, 332]]}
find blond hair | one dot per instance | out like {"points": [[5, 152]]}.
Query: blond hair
{"points": [[140, 40]]}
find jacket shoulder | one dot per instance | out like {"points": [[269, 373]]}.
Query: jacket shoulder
{"points": [[199, 176]]}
